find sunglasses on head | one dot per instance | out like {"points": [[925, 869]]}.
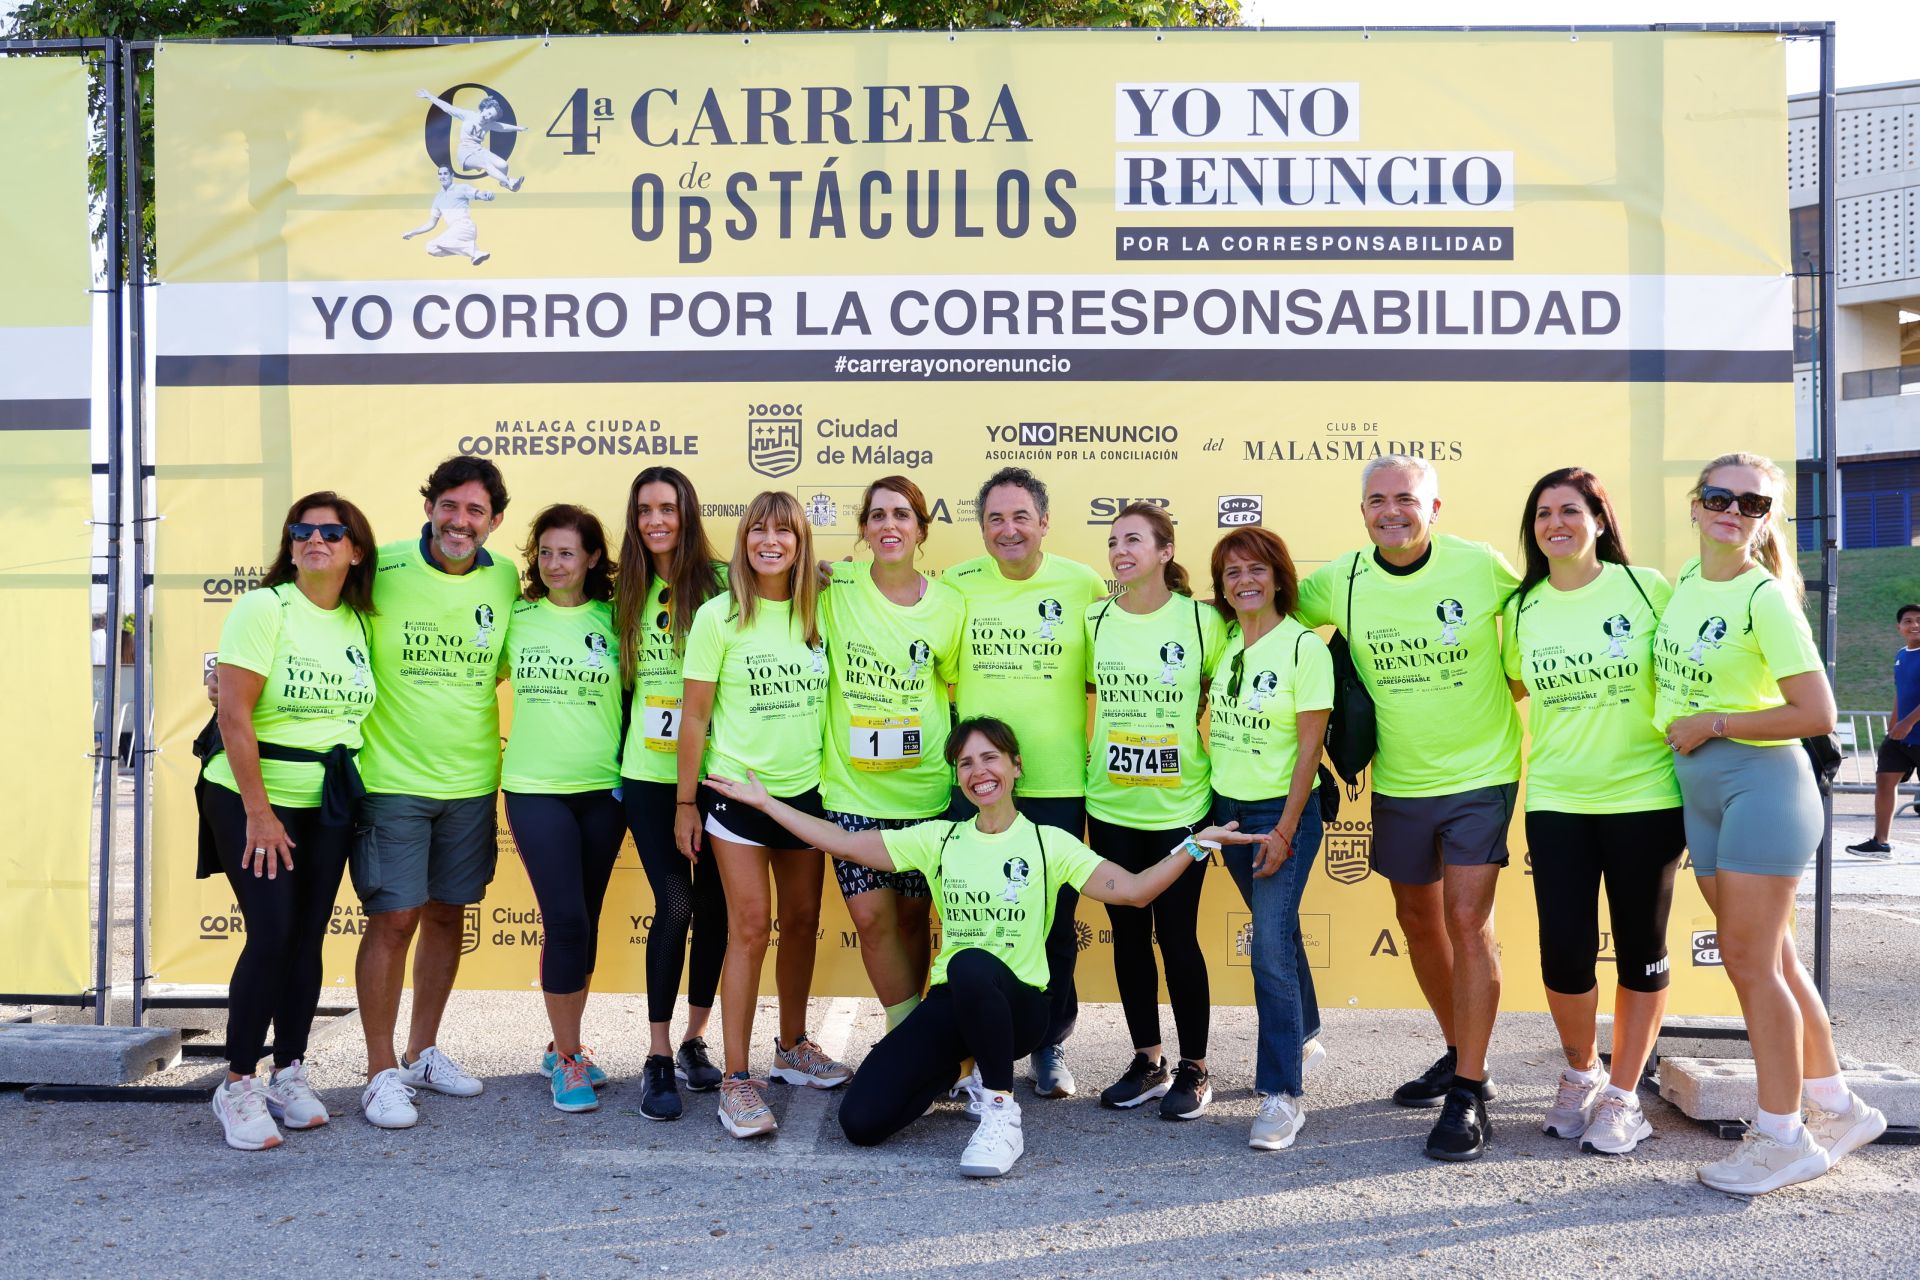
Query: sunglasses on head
{"points": [[330, 532], [1752, 505]]}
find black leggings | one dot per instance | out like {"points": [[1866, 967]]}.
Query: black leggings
{"points": [[277, 977], [568, 844], [1172, 919], [686, 897], [981, 1011], [1636, 854]]}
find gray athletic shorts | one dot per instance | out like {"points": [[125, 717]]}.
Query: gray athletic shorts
{"points": [[408, 850], [1750, 809], [1415, 837]]}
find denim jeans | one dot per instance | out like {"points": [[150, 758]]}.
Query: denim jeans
{"points": [[1283, 995]]}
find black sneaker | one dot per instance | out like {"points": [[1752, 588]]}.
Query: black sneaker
{"points": [[1879, 850], [1192, 1090], [1430, 1086], [1462, 1132], [1143, 1082], [659, 1094], [693, 1066]]}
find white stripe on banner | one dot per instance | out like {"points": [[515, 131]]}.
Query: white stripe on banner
{"points": [[1271, 312], [52, 362]]}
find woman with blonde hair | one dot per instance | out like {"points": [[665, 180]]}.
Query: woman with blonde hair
{"points": [[756, 673], [1737, 682]]}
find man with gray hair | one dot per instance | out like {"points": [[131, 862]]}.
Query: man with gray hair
{"points": [[1420, 611]]}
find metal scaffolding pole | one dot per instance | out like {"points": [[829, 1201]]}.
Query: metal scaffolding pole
{"points": [[142, 755], [109, 749], [1825, 397]]}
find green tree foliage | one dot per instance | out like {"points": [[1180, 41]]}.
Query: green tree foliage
{"points": [[215, 19]]}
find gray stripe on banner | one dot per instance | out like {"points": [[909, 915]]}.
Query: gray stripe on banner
{"points": [[45, 415], [533, 367]]}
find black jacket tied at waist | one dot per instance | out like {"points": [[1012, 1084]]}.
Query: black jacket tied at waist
{"points": [[340, 789]]}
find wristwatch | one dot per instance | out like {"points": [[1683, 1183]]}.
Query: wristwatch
{"points": [[1720, 726]]}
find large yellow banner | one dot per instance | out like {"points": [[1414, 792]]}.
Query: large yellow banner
{"points": [[1214, 270], [46, 502]]}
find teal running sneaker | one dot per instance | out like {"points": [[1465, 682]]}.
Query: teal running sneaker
{"points": [[571, 1089], [595, 1076]]}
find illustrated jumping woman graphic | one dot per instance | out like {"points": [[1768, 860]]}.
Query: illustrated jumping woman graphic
{"points": [[475, 124]]}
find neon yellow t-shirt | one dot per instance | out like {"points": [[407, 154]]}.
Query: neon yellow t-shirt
{"points": [[1725, 646], [565, 668], [1025, 663], [1147, 768], [770, 695], [1253, 735], [319, 684], [437, 642], [653, 733], [888, 713], [1586, 657], [1427, 645], [995, 892]]}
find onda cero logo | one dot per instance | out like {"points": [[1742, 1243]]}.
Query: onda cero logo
{"points": [[481, 119]]}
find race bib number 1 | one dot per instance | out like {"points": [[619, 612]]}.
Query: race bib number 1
{"points": [[882, 744], [660, 723], [1143, 759]]}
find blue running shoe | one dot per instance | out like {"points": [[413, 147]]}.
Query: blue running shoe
{"points": [[571, 1090], [595, 1076]]}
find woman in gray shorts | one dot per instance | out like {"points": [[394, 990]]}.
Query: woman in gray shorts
{"points": [[1737, 682]]}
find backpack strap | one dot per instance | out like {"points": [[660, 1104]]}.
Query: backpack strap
{"points": [[1102, 615], [1351, 571], [1757, 588], [940, 854], [1638, 589], [1200, 634]]}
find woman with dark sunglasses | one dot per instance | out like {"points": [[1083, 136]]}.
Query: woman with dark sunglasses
{"points": [[1602, 803], [1738, 680], [668, 572], [278, 796], [1266, 720]]}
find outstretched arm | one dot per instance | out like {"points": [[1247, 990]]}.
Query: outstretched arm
{"points": [[1112, 883], [868, 848], [433, 220], [447, 107], [501, 126]]}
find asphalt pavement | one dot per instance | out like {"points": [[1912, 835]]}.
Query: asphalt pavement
{"points": [[504, 1185]]}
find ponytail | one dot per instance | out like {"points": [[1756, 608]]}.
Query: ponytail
{"points": [[1161, 523]]}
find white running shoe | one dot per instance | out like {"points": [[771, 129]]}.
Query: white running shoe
{"points": [[1277, 1123], [292, 1101], [1761, 1164], [1312, 1055], [436, 1071], [1839, 1132], [1615, 1126], [242, 1107], [387, 1101], [997, 1143], [976, 1091], [1572, 1108]]}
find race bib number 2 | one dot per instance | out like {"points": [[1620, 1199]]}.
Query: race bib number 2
{"points": [[660, 723], [882, 744], [1143, 759]]}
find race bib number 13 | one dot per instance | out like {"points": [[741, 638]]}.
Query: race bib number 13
{"points": [[882, 744], [1143, 759], [660, 723]]}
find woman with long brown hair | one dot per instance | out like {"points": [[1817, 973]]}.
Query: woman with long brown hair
{"points": [[756, 671], [668, 572], [1602, 802]]}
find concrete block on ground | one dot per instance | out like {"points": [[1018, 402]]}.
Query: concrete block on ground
{"points": [[57, 1053], [1723, 1088]]}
